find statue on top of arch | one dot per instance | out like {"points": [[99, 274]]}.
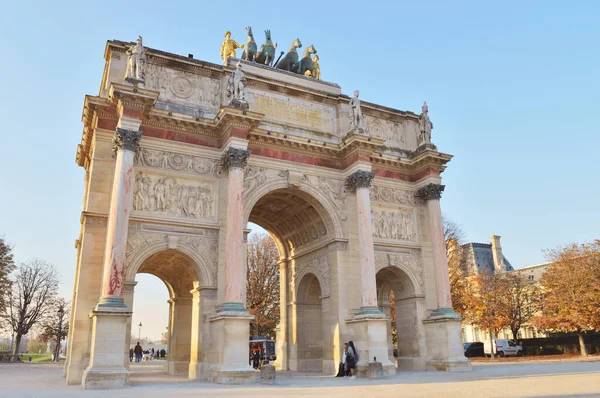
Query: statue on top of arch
{"points": [[136, 63], [305, 66]]}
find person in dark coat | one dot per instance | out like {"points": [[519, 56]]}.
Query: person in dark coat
{"points": [[138, 352], [131, 355]]}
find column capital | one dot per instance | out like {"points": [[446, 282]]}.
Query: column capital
{"points": [[234, 158], [359, 179], [128, 140], [431, 192]]}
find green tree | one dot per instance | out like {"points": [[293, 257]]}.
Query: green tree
{"points": [[571, 287], [262, 284], [35, 346]]}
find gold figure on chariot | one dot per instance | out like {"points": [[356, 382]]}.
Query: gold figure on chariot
{"points": [[228, 47]]}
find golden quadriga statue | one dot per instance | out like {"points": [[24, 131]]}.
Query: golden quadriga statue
{"points": [[228, 48]]}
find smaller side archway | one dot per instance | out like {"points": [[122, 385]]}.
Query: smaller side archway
{"points": [[396, 293], [308, 340]]}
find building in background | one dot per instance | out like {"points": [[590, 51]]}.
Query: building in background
{"points": [[488, 257]]}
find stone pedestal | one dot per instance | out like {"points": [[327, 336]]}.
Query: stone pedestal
{"points": [[371, 341], [106, 368], [375, 370], [444, 344], [267, 374], [230, 333]]}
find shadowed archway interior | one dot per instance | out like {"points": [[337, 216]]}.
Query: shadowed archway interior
{"points": [[292, 217]]}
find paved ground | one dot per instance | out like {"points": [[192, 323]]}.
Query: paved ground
{"points": [[575, 379]]}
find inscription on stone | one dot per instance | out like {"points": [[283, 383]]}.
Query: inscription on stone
{"points": [[288, 110]]}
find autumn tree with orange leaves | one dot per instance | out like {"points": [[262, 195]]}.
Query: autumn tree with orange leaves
{"points": [[571, 286], [486, 300], [262, 284]]}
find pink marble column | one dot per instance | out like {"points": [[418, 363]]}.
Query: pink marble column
{"points": [[432, 194], [360, 181], [234, 160], [126, 143]]}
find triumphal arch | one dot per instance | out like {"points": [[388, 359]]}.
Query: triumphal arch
{"points": [[181, 154]]}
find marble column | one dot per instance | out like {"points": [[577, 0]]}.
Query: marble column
{"points": [[360, 182], [125, 144], [110, 318], [234, 161], [432, 193]]}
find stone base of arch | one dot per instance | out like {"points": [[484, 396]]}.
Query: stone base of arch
{"points": [[230, 349], [371, 340], [444, 338], [106, 368]]}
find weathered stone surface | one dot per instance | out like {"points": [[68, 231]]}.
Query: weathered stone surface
{"points": [[375, 370], [267, 374]]}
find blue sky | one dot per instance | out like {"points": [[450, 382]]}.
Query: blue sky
{"points": [[512, 90]]}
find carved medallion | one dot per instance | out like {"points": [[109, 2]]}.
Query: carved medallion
{"points": [[181, 87]]}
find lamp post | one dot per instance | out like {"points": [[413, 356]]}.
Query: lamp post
{"points": [[61, 314], [140, 331]]}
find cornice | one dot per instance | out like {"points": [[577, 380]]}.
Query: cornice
{"points": [[91, 106], [305, 147]]}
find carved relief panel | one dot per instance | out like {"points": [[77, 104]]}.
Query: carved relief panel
{"points": [[174, 197], [392, 132], [394, 224], [176, 162], [184, 88]]}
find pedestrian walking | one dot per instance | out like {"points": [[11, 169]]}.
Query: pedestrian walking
{"points": [[138, 352], [131, 355]]}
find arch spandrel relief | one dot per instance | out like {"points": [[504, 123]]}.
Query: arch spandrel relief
{"points": [[409, 263], [202, 250], [326, 195]]}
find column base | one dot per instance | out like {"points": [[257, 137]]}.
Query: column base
{"points": [[106, 368], [444, 343], [230, 331], [232, 375], [100, 379], [371, 341], [111, 303], [232, 308]]}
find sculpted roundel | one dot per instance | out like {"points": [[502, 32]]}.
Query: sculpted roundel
{"points": [[181, 87]]}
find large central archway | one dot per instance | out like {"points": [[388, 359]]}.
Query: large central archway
{"points": [[301, 227]]}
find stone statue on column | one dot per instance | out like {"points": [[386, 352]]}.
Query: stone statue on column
{"points": [[136, 62], [425, 126], [236, 88], [356, 117]]}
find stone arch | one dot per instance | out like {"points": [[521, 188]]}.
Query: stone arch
{"points": [[392, 278], [409, 267], [322, 204], [153, 243], [323, 282]]}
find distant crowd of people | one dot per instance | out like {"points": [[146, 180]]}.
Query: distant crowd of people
{"points": [[347, 367], [139, 353]]}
